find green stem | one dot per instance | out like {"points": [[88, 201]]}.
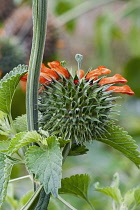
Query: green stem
{"points": [[66, 203], [20, 178], [65, 152], [38, 43], [39, 35]]}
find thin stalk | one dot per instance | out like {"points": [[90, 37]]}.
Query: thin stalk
{"points": [[78, 58], [20, 178], [66, 203]]}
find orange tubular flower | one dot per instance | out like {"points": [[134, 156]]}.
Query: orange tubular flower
{"points": [[56, 66], [97, 72], [81, 73], [117, 78], [44, 78], [125, 89], [49, 72]]}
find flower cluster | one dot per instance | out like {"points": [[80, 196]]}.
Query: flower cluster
{"points": [[80, 107], [47, 75]]}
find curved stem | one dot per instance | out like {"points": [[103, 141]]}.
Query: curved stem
{"points": [[38, 43], [39, 35]]}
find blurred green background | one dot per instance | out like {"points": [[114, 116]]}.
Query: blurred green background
{"points": [[107, 33]]}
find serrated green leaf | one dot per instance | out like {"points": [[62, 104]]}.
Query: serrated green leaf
{"points": [[22, 139], [5, 172], [78, 150], [46, 165], [119, 139], [8, 85], [77, 185], [137, 195], [20, 123], [112, 191]]}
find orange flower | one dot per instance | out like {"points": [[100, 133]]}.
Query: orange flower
{"points": [[49, 72], [81, 73], [125, 89], [24, 77], [44, 78], [97, 72], [56, 66], [117, 78]]}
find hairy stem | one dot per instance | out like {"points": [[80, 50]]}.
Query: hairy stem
{"points": [[38, 43], [39, 35]]}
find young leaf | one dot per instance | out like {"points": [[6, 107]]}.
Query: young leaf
{"points": [[46, 165], [20, 123], [109, 191], [113, 191], [8, 85], [22, 139], [5, 172], [77, 185], [119, 139], [129, 198], [25, 199], [137, 195], [78, 150]]}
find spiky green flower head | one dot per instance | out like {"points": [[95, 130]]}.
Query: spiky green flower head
{"points": [[77, 108]]}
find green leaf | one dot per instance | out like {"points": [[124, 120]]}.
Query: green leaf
{"points": [[5, 128], [112, 191], [25, 199], [78, 150], [77, 185], [5, 172], [119, 139], [4, 146], [20, 123], [32, 202], [46, 165], [23, 139], [8, 85], [63, 142], [129, 198], [137, 195]]}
